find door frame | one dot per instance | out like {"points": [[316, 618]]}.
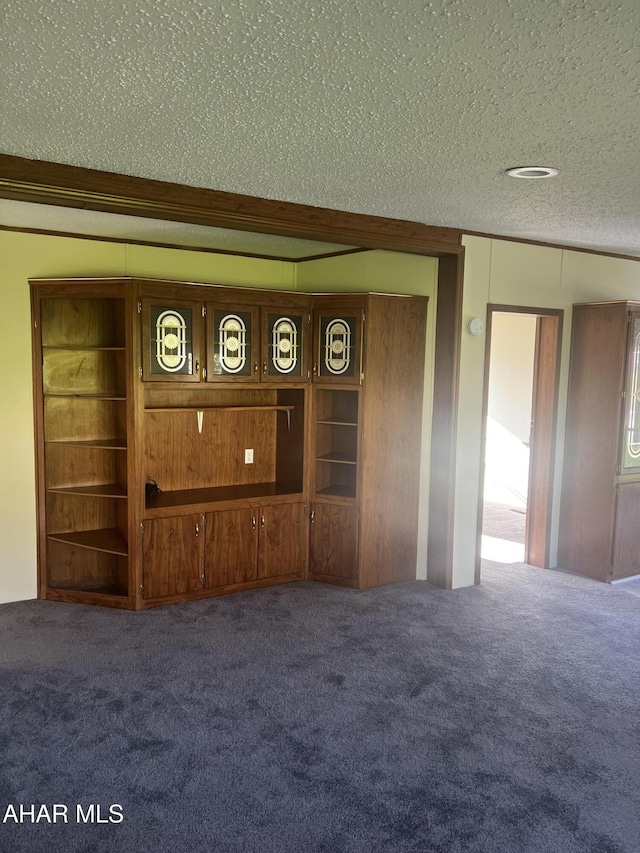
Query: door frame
{"points": [[544, 417]]}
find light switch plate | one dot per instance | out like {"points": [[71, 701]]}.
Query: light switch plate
{"points": [[248, 457]]}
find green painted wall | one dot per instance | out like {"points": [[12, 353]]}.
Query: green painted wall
{"points": [[26, 256]]}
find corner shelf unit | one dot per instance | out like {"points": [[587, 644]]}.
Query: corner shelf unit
{"points": [[81, 360]]}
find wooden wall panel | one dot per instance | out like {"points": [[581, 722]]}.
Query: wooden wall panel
{"points": [[178, 457], [392, 425]]}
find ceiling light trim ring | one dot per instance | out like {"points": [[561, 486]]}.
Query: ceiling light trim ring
{"points": [[532, 172]]}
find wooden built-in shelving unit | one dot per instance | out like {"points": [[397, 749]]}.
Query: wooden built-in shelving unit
{"points": [[251, 412]]}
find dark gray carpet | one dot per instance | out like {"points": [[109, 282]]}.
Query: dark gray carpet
{"points": [[311, 718]]}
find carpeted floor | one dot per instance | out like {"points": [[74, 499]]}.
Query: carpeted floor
{"points": [[312, 719]]}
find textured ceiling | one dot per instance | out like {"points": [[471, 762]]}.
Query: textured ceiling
{"points": [[397, 108], [41, 217]]}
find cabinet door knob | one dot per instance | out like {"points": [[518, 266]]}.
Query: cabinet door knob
{"points": [[264, 367], [313, 515], [197, 367], [255, 366], [262, 521], [253, 523], [197, 529]]}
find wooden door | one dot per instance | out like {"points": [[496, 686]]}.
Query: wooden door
{"points": [[333, 549], [231, 547], [171, 340], [233, 343], [281, 543], [284, 345], [544, 405], [626, 548], [337, 350], [172, 556]]}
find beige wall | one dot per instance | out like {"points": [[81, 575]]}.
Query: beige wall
{"points": [[509, 273], [513, 342], [26, 256]]}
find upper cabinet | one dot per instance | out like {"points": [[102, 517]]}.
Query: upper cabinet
{"points": [[233, 343], [171, 340], [285, 338], [226, 341], [337, 349]]}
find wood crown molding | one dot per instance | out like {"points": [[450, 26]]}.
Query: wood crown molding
{"points": [[41, 182]]}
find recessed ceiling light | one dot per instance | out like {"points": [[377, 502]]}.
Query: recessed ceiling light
{"points": [[532, 172]]}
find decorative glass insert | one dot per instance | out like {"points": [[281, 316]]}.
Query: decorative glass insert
{"points": [[336, 346], [286, 338], [232, 344], [171, 340], [632, 434]]}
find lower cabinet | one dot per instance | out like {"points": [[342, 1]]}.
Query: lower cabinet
{"points": [[172, 556], [192, 553], [333, 545], [626, 547]]}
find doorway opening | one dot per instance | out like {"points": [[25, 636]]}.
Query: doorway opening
{"points": [[522, 362]]}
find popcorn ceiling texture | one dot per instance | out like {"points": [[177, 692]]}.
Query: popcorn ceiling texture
{"points": [[396, 108]]}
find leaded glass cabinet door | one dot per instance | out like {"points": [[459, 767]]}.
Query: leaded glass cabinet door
{"points": [[631, 433], [338, 344], [284, 336], [171, 341], [233, 343]]}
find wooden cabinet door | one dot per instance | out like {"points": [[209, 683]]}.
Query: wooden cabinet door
{"points": [[333, 548], [172, 556], [284, 345], [281, 544], [171, 341], [337, 347], [233, 343], [231, 547], [626, 548]]}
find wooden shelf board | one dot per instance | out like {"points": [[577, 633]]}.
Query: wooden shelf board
{"points": [[339, 458], [106, 589], [221, 409], [337, 492], [219, 494], [80, 348], [108, 490], [338, 422], [98, 443], [109, 540], [85, 396]]}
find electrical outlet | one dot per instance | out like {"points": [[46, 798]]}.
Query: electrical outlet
{"points": [[248, 457]]}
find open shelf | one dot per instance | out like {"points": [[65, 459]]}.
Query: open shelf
{"points": [[108, 490], [191, 498], [79, 347], [84, 396], [339, 458], [221, 409], [337, 422], [109, 540], [101, 443], [337, 491], [102, 589]]}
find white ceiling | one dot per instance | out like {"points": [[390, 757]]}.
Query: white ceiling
{"points": [[400, 108], [42, 217]]}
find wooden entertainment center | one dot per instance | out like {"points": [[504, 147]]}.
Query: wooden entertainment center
{"points": [[282, 429]]}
